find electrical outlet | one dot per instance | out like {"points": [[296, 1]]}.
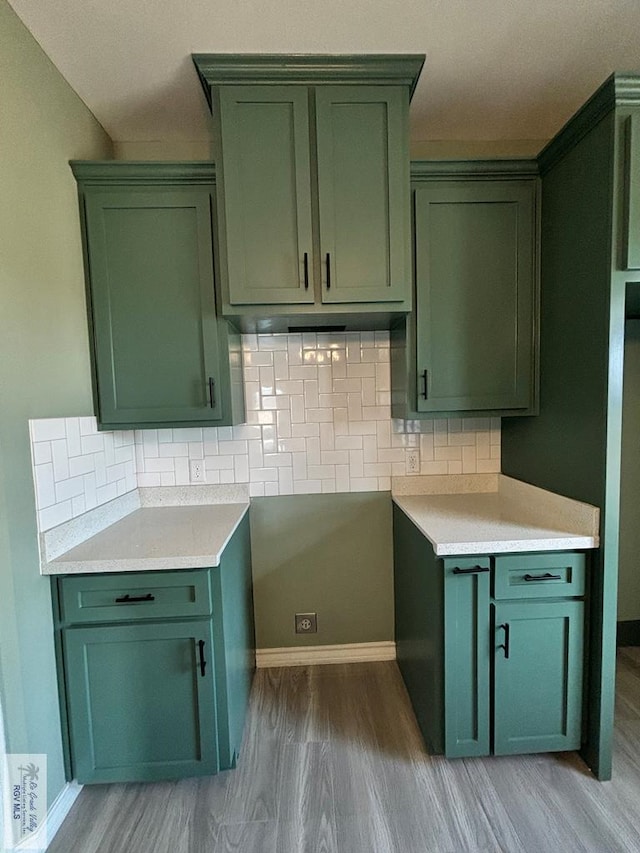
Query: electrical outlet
{"points": [[196, 470], [412, 461], [306, 623]]}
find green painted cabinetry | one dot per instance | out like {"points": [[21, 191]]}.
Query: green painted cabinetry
{"points": [[631, 239], [156, 668], [161, 355], [470, 347], [314, 185], [490, 647]]}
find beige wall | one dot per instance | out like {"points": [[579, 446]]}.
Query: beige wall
{"points": [[44, 363]]}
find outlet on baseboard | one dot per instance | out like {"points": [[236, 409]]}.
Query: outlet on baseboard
{"points": [[306, 623], [196, 470], [412, 461]]}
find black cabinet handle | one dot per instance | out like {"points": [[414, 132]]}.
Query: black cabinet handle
{"points": [[425, 385], [306, 271], [212, 392], [328, 271], [128, 599], [505, 628], [547, 576], [203, 662], [474, 570]]}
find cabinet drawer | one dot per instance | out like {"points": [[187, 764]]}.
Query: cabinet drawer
{"points": [[550, 575], [135, 596]]}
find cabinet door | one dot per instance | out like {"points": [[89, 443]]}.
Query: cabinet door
{"points": [[153, 307], [475, 295], [139, 707], [265, 213], [632, 192], [466, 656], [363, 193], [538, 676]]}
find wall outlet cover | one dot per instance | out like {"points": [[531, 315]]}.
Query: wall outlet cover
{"points": [[306, 623], [196, 470], [412, 461]]}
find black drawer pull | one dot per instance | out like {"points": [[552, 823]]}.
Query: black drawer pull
{"points": [[474, 570], [203, 662], [328, 271], [506, 630], [212, 392], [306, 271], [425, 384], [547, 576], [128, 599]]}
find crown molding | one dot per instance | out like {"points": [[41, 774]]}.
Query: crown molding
{"points": [[424, 170], [382, 69], [617, 90], [142, 172]]}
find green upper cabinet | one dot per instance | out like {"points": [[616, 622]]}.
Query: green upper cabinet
{"points": [[161, 356], [313, 177], [363, 194], [471, 345], [632, 191], [267, 194]]}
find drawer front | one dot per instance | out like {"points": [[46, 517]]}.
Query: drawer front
{"points": [[548, 575], [134, 596]]}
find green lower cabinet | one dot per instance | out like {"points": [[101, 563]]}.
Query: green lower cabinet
{"points": [[487, 675], [140, 707], [538, 676], [466, 656]]}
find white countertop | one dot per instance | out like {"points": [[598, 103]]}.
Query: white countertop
{"points": [[155, 538], [516, 517]]}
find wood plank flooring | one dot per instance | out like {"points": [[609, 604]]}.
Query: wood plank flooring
{"points": [[333, 762]]}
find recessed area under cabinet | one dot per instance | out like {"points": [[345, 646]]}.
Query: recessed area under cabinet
{"points": [[161, 355], [313, 176]]}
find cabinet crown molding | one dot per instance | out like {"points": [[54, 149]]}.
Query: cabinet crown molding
{"points": [[618, 90], [380, 69], [142, 172]]}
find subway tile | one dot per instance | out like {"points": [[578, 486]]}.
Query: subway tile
{"points": [[41, 452], [267, 381], [60, 459], [272, 342], [92, 443], [280, 365], [100, 469], [254, 449], [370, 448], [347, 386], [150, 443], [121, 486], [251, 374], [182, 472], [469, 460], [229, 448], [307, 487], [299, 465], [109, 449], [45, 485], [383, 377], [294, 351], [173, 449], [325, 379], [356, 463], [277, 459], [454, 467], [258, 359], [262, 475], [341, 421], [329, 486], [90, 496], [362, 428], [285, 481], [383, 398], [306, 372], [440, 433], [252, 397], [334, 457], [88, 426], [269, 439], [106, 493], [327, 436], [353, 348], [357, 371], [384, 484], [338, 364], [196, 449], [72, 427], [342, 478], [434, 468], [311, 394], [271, 489], [488, 466], [321, 472], [260, 417], [426, 447], [218, 463], [241, 469], [289, 386], [226, 476], [332, 401], [297, 410], [369, 392], [364, 484], [165, 436], [399, 469], [375, 413], [249, 343], [48, 429], [256, 490], [395, 454], [160, 465], [348, 442], [313, 450], [448, 453], [292, 445], [383, 433], [167, 478], [115, 473], [319, 416], [54, 515], [354, 407], [147, 480], [283, 423], [78, 505], [368, 354]]}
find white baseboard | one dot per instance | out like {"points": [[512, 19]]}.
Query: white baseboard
{"points": [[60, 808], [348, 653]]}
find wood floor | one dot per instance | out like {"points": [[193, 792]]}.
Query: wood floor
{"points": [[333, 762]]}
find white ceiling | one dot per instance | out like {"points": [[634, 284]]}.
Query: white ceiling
{"points": [[495, 69]]}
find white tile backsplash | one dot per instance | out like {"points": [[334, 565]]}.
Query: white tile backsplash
{"points": [[318, 420]]}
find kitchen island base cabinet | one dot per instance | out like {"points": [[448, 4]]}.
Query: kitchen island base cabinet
{"points": [[149, 693], [490, 647]]}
